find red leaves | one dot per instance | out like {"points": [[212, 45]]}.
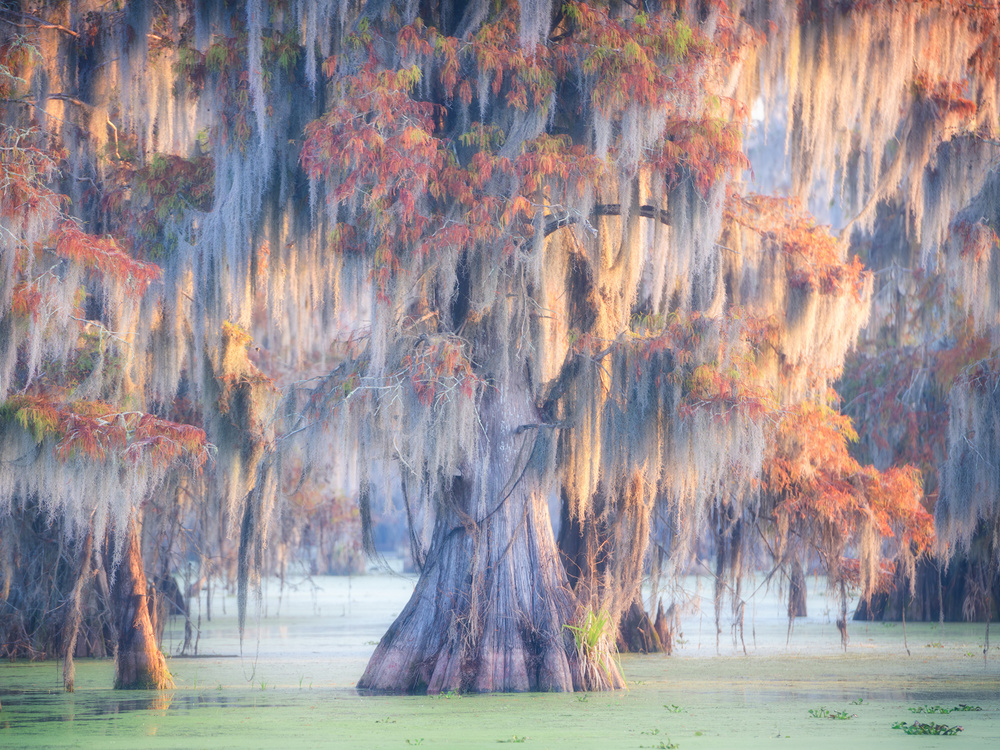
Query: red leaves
{"points": [[978, 239], [528, 74], [642, 62], [705, 149], [376, 147], [26, 299], [25, 171], [438, 369], [551, 159], [946, 96], [96, 431], [104, 255], [376, 139]]}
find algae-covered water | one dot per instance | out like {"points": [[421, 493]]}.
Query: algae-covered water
{"points": [[293, 686]]}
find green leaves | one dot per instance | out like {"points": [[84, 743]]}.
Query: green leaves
{"points": [[823, 713], [927, 729]]}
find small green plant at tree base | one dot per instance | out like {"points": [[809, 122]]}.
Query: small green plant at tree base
{"points": [[588, 633], [673, 708], [583, 698], [651, 731], [857, 702], [928, 728], [593, 641], [515, 738], [822, 713]]}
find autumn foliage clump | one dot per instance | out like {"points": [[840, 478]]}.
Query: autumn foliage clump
{"points": [[860, 522]]}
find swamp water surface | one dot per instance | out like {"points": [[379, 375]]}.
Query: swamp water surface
{"points": [[293, 686]]}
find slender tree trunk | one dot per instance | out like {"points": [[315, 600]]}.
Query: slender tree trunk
{"points": [[75, 616], [489, 609], [796, 590], [139, 664]]}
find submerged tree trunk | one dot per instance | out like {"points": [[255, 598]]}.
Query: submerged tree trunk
{"points": [[489, 609], [139, 664], [955, 593], [638, 634], [796, 590]]}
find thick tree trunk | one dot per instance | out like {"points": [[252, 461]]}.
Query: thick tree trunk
{"points": [[489, 609], [139, 664], [583, 549]]}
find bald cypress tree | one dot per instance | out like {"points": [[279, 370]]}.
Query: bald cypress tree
{"points": [[508, 250]]}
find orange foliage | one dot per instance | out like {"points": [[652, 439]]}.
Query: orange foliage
{"points": [[377, 143], [555, 157], [814, 258], [379, 146], [817, 484]]}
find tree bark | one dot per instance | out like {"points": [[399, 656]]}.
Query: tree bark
{"points": [[637, 633], [796, 590], [952, 594], [489, 610], [139, 664], [665, 624], [75, 615]]}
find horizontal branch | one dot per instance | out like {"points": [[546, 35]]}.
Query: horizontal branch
{"points": [[39, 23], [609, 209], [542, 425]]}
